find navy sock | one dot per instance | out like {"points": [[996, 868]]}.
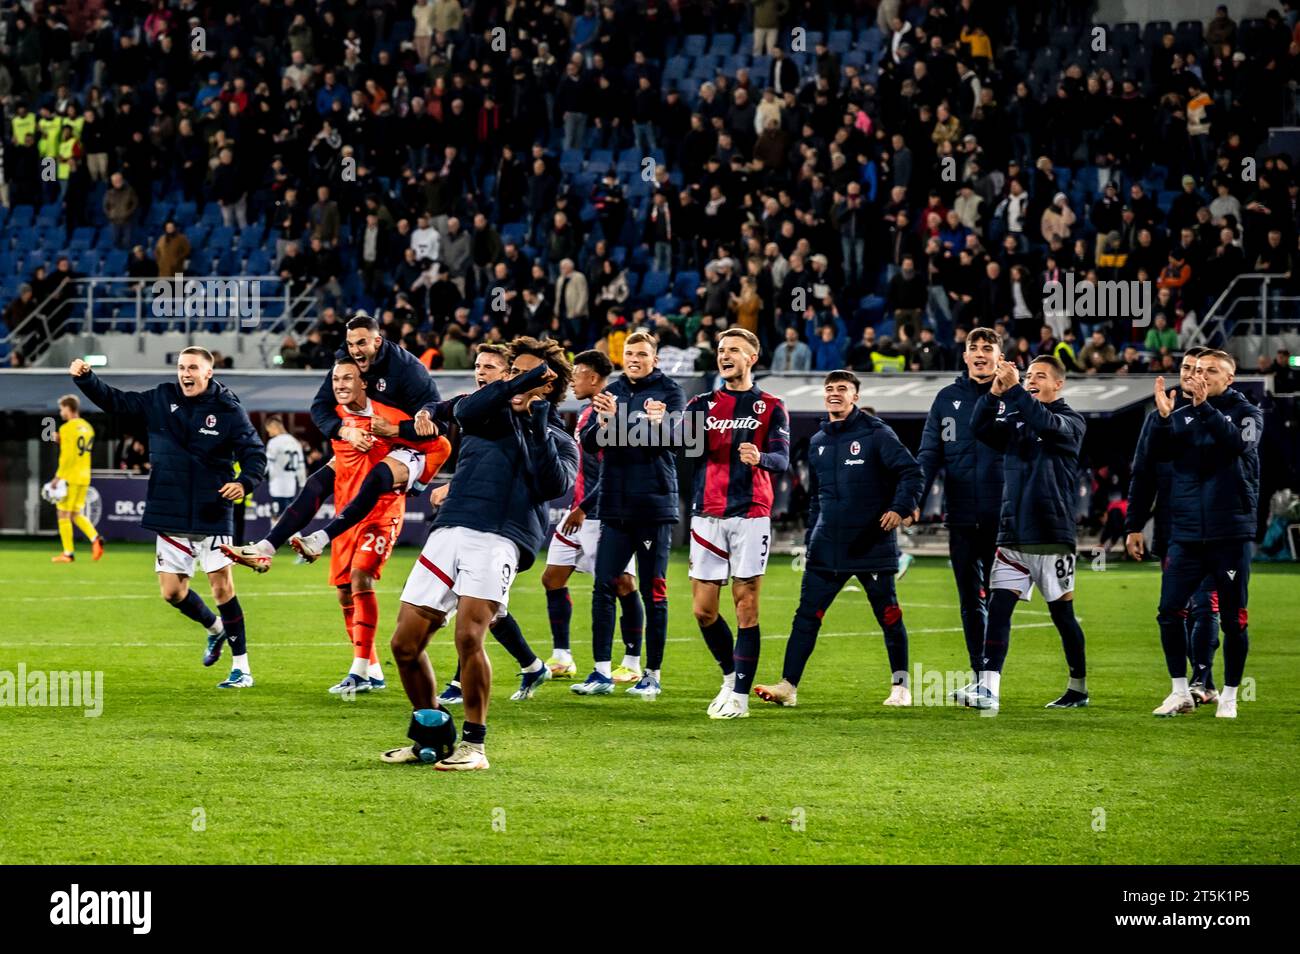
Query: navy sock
{"points": [[508, 634], [631, 622], [559, 609], [602, 622], [997, 638], [377, 483], [197, 610], [717, 636], [745, 657], [232, 616], [299, 513], [1067, 625], [473, 732]]}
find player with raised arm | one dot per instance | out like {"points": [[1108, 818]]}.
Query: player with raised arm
{"points": [[198, 431], [392, 375], [514, 458], [863, 486], [286, 467], [972, 485], [1040, 436], [358, 556], [639, 501], [71, 481], [573, 545], [1212, 442], [746, 440], [1149, 496]]}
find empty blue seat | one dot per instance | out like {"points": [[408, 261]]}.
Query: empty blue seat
{"points": [[654, 284], [724, 44], [693, 44], [20, 216]]}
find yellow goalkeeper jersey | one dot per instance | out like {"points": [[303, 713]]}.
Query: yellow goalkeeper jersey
{"points": [[75, 440]]}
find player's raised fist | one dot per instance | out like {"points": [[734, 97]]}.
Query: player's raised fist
{"points": [[78, 368], [655, 410]]}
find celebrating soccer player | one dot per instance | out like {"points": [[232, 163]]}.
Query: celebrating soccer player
{"points": [[198, 431], [972, 484], [76, 437], [1213, 443], [1148, 496], [513, 460], [746, 440], [358, 555], [1040, 437], [863, 486], [638, 506], [573, 544]]}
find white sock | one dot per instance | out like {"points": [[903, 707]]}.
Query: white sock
{"points": [[217, 627], [1079, 685], [653, 672], [741, 698], [1180, 686], [319, 540], [563, 655], [264, 547], [374, 671], [533, 666], [603, 668], [729, 680], [631, 662], [1228, 694], [991, 679], [360, 667], [241, 663]]}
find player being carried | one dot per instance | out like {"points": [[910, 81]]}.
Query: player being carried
{"points": [[67, 491], [514, 459], [746, 439], [358, 556], [573, 544]]}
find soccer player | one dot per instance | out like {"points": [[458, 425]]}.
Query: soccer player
{"points": [[972, 485], [492, 363], [285, 466], [1148, 496], [863, 486], [573, 544], [1040, 436], [198, 431], [638, 505], [358, 556], [76, 437], [746, 440], [1213, 443], [398, 378], [513, 460]]}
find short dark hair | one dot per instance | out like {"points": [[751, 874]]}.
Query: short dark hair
{"points": [[1195, 352], [362, 320], [595, 360], [984, 334], [203, 353], [275, 419], [502, 351], [551, 352], [348, 359], [72, 402], [1052, 362], [843, 375]]}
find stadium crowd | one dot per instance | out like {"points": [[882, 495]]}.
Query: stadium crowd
{"points": [[859, 184]]}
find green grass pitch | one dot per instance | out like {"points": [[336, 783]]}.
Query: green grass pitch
{"points": [[177, 771]]}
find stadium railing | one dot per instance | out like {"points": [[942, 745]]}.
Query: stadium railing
{"points": [[1276, 314]]}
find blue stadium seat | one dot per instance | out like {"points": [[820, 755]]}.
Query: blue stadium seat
{"points": [[259, 263], [571, 161], [513, 232], [686, 283], [600, 159], [840, 41], [1154, 30], [115, 262], [654, 284], [33, 260], [724, 44], [49, 215], [693, 44], [82, 238], [20, 216], [185, 213], [222, 238], [666, 304], [250, 239]]}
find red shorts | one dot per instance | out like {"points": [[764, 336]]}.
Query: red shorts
{"points": [[364, 547]]}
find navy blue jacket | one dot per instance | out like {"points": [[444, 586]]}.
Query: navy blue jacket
{"points": [[1150, 483], [638, 483], [193, 446], [1214, 450], [972, 482], [510, 466], [858, 470], [1041, 467], [396, 378]]}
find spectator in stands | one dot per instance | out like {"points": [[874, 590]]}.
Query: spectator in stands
{"points": [[171, 251], [792, 354], [1161, 338], [324, 218], [828, 348], [230, 191], [1098, 354], [120, 206], [1132, 362]]}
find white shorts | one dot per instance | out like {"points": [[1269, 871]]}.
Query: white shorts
{"points": [[176, 554], [578, 550], [1052, 573], [723, 547], [456, 562], [414, 461]]}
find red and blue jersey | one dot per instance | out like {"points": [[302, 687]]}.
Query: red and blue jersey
{"points": [[725, 486], [586, 488]]}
